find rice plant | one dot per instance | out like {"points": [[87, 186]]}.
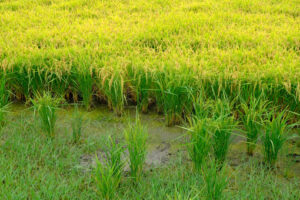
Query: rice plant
{"points": [[77, 123], [107, 180], [200, 142], [215, 180], [4, 100], [20, 84], [108, 172], [222, 109], [136, 138], [114, 155], [46, 105], [141, 83], [203, 107], [174, 92], [4, 92], [112, 85], [252, 118], [222, 131], [275, 136], [83, 79]]}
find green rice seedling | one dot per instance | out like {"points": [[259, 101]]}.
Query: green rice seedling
{"points": [[252, 115], [77, 123], [222, 108], [108, 173], [200, 142], [83, 79], [45, 105], [175, 92], [203, 107], [222, 131], [136, 137], [215, 180], [107, 180], [114, 155], [276, 134]]}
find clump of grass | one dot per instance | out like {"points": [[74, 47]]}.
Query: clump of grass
{"points": [[108, 173], [222, 109], [174, 92], [200, 142], [275, 136], [202, 106], [215, 181], [252, 117], [222, 128], [136, 137], [222, 132], [114, 153], [77, 122], [46, 105], [107, 182]]}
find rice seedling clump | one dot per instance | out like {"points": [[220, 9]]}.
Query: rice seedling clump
{"points": [[45, 105], [136, 138]]}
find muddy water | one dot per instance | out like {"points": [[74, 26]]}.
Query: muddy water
{"points": [[163, 142]]}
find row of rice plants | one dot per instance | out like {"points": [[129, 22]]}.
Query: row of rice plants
{"points": [[173, 91], [212, 132]]}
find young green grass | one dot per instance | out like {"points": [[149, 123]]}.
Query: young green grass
{"points": [[200, 142], [222, 108], [276, 134], [222, 131], [252, 118], [203, 107], [136, 138], [46, 105], [215, 180], [222, 127], [114, 153], [27, 157], [107, 181], [108, 173], [76, 123]]}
